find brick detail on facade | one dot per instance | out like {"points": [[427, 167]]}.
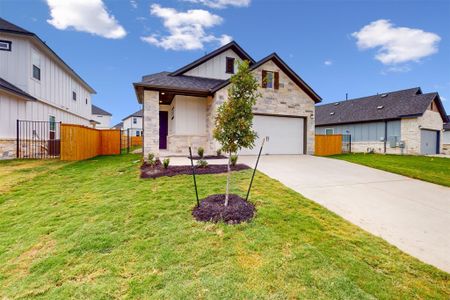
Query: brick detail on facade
{"points": [[151, 123]]}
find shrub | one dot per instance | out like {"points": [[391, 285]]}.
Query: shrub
{"points": [[233, 159], [200, 152], [151, 159], [201, 163], [166, 163], [219, 152]]}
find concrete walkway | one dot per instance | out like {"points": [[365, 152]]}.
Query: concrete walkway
{"points": [[410, 214]]}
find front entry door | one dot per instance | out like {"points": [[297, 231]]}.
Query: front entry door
{"points": [[163, 129]]}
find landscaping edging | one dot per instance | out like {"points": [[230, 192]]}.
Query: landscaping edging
{"points": [[148, 171]]}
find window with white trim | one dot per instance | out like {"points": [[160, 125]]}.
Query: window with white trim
{"points": [[36, 62], [134, 120], [5, 45]]}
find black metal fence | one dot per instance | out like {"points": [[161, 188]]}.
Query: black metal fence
{"points": [[346, 143], [38, 139], [125, 140]]}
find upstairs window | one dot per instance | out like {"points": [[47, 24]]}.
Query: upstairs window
{"points": [[36, 61], [74, 96], [270, 80], [229, 65], [86, 101], [134, 120], [5, 45]]}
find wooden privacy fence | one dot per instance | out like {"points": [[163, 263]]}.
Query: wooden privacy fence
{"points": [[80, 142], [328, 144]]}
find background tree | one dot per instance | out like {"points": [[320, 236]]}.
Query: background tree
{"points": [[235, 117]]}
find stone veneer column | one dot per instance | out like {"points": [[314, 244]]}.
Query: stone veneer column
{"points": [[151, 123]]}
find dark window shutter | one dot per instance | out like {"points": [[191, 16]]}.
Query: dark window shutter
{"points": [[277, 81], [264, 79]]}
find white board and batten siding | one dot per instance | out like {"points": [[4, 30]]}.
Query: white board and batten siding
{"points": [[53, 91], [187, 116], [215, 67], [104, 121]]}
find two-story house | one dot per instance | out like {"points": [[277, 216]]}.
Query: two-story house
{"points": [[101, 117], [36, 85], [133, 123], [179, 107]]}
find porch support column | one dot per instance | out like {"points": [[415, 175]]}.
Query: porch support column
{"points": [[151, 123]]}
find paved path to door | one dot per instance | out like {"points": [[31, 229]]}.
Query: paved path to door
{"points": [[410, 214]]}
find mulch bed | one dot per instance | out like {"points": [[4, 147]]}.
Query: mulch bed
{"points": [[148, 171], [208, 157], [212, 209]]}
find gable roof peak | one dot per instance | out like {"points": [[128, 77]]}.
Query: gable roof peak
{"points": [[231, 45]]}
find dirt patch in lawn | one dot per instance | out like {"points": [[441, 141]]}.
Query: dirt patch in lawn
{"points": [[213, 209], [148, 171]]}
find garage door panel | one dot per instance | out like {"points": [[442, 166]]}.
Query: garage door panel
{"points": [[283, 135], [428, 141]]}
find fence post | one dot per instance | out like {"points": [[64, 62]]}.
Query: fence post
{"points": [[17, 138], [128, 140], [120, 142]]}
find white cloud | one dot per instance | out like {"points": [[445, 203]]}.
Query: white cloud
{"points": [[396, 44], [443, 98], [186, 29], [85, 15], [134, 4], [328, 62], [222, 3]]}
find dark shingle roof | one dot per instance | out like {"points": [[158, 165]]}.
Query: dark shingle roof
{"points": [[9, 27], [5, 85], [447, 126], [139, 113], [192, 83], [118, 125], [6, 26], [386, 106], [99, 111]]}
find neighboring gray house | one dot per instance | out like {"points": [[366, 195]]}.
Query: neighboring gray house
{"points": [[118, 126], [101, 116], [180, 106], [405, 121], [446, 137]]}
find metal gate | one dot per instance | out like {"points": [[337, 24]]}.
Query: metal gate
{"points": [[346, 143], [38, 139]]}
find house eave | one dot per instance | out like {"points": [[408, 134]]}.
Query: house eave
{"points": [[140, 87]]}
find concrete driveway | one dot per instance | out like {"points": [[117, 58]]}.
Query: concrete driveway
{"points": [[410, 214]]}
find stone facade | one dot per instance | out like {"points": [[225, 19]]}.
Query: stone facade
{"points": [[178, 143], [151, 123], [7, 148], [289, 99]]}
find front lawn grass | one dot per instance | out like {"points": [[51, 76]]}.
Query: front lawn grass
{"points": [[93, 229], [431, 169]]}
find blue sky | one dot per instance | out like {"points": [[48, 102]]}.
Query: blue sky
{"points": [[337, 47]]}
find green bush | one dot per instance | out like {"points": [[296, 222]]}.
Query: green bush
{"points": [[166, 163], [200, 152], [219, 152], [201, 163], [151, 159], [233, 159]]}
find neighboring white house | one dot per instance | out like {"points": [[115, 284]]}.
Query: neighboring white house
{"points": [[133, 123], [101, 117], [397, 122], [36, 84], [180, 106]]}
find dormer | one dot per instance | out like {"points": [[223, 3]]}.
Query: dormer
{"points": [[219, 64]]}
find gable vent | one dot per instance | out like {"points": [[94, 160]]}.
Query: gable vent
{"points": [[383, 95], [331, 113], [380, 107]]}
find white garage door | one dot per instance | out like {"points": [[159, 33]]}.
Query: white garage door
{"points": [[284, 135]]}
